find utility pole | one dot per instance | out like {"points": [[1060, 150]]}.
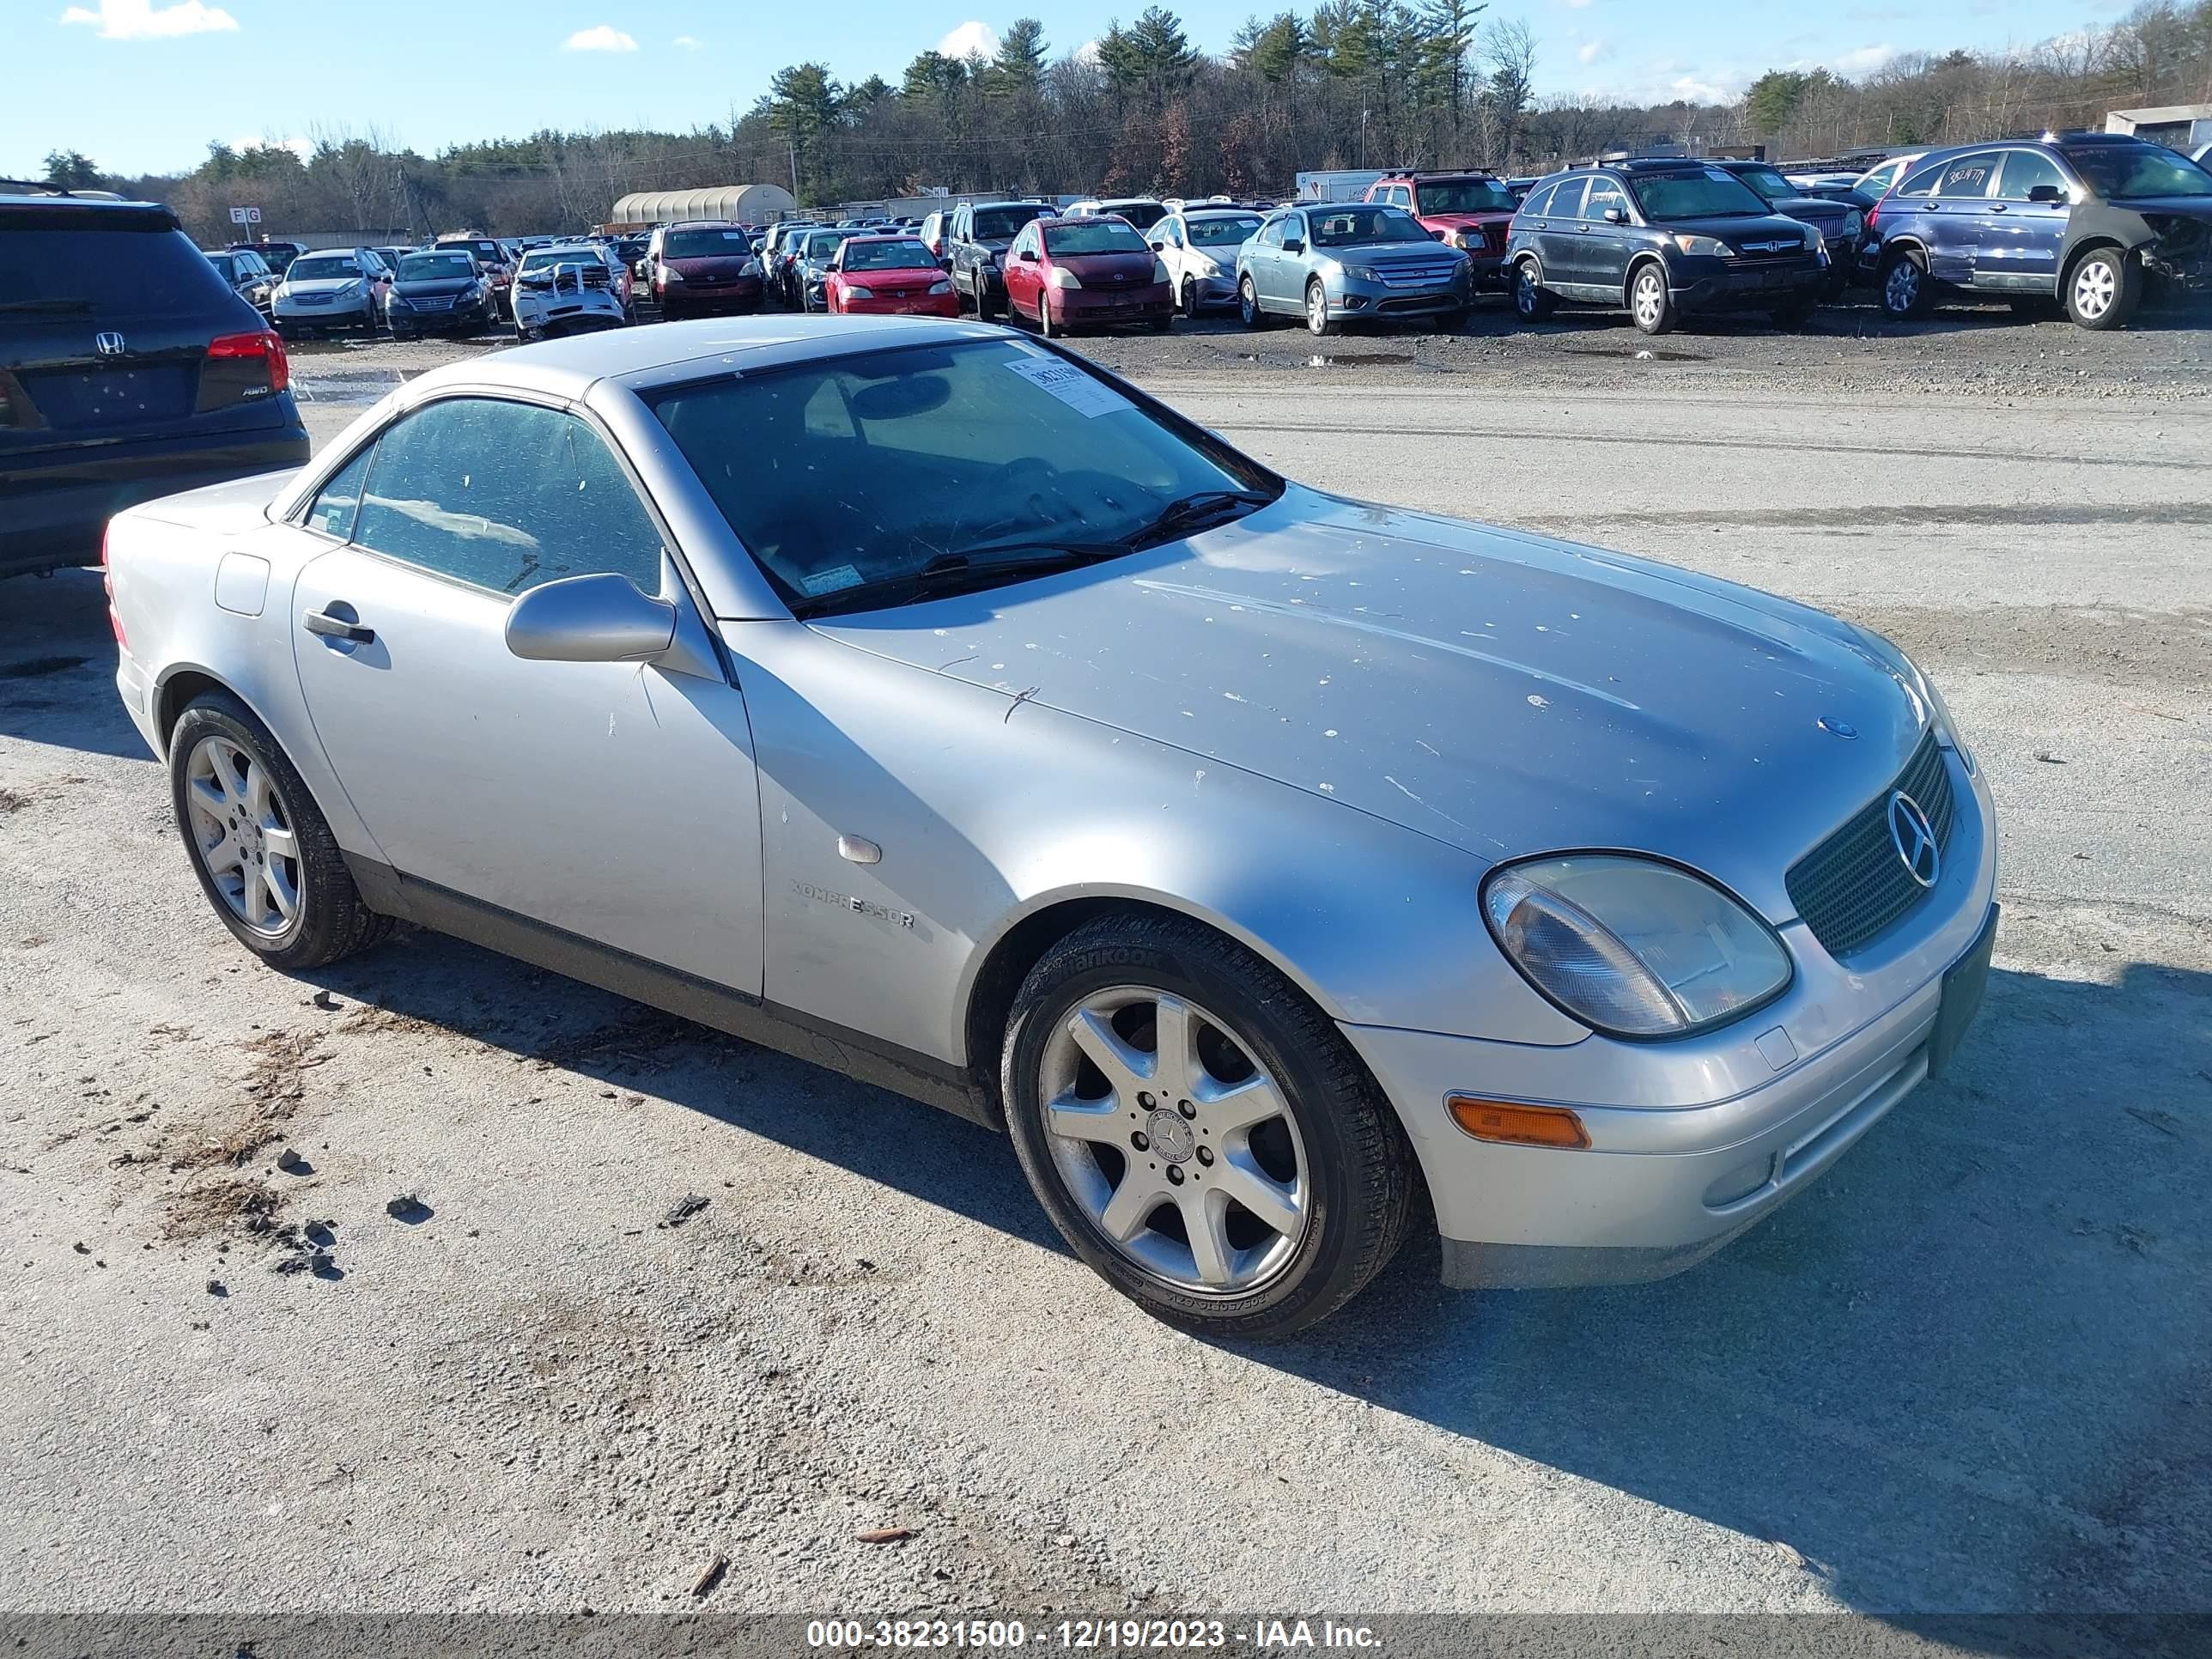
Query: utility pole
{"points": [[793, 142]]}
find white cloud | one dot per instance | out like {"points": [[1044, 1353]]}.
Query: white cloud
{"points": [[969, 38], [1866, 60], [1087, 53], [687, 42], [1691, 89], [602, 39], [1595, 51], [1574, 5], [140, 20]]}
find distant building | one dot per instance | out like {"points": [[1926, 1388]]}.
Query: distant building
{"points": [[744, 204], [2177, 126]]}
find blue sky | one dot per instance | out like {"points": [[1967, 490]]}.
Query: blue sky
{"points": [[145, 85]]}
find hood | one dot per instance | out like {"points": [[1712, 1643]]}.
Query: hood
{"points": [[1487, 217], [1756, 228], [711, 264], [1500, 692], [1811, 209], [1108, 269], [2184, 207], [425, 287], [320, 284], [1368, 253], [897, 279]]}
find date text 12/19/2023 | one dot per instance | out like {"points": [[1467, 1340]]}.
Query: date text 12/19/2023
{"points": [[1088, 1635]]}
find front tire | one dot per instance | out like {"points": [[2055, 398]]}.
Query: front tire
{"points": [[2104, 288], [262, 849], [1317, 318], [1244, 1178], [1650, 306]]}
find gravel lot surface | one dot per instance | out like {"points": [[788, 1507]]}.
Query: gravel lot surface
{"points": [[1968, 1371]]}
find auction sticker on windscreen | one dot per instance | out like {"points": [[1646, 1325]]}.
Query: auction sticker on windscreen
{"points": [[1078, 390]]}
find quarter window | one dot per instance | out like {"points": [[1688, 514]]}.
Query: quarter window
{"points": [[505, 496]]}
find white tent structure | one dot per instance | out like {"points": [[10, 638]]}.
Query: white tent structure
{"points": [[746, 204]]}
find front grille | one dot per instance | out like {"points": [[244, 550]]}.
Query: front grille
{"points": [[1853, 885], [1771, 248], [1418, 273], [433, 302]]}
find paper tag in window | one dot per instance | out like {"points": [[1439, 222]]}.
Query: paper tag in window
{"points": [[829, 581], [1078, 390]]}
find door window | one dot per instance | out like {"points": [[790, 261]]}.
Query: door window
{"points": [[337, 502], [1271, 233], [1968, 176], [1603, 194], [2024, 170], [1567, 200], [1539, 204], [505, 496]]}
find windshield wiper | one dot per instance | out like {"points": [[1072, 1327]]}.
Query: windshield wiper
{"points": [[1191, 512], [46, 305], [977, 566]]}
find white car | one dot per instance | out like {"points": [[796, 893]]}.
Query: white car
{"points": [[1199, 246], [330, 290], [571, 288], [1142, 211]]}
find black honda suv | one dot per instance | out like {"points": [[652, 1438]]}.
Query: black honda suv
{"points": [[1662, 238], [128, 370]]}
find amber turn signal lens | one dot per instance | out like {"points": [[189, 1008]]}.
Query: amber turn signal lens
{"points": [[1516, 1126]]}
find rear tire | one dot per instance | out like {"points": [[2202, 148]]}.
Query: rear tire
{"points": [[1330, 1161], [1532, 301], [239, 804], [2104, 288], [1908, 293]]}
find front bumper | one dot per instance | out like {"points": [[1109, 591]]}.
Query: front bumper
{"points": [[349, 313], [1755, 289], [417, 320], [1355, 298], [1085, 307], [740, 293], [1694, 1141], [905, 305]]}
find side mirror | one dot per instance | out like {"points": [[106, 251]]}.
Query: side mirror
{"points": [[1615, 216], [601, 618], [1028, 256], [2047, 194], [1294, 247], [1436, 236]]}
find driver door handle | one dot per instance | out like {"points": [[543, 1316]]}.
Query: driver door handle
{"points": [[335, 628]]}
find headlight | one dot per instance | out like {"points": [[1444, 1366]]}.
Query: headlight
{"points": [[397, 302], [854, 291], [1927, 699], [1061, 276], [1204, 268], [1632, 947], [940, 285], [1463, 238], [1363, 273], [1711, 246], [751, 268], [1814, 240], [1854, 222], [1159, 270]]}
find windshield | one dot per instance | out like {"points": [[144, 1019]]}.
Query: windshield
{"points": [[1465, 196], [434, 267], [705, 244], [1343, 227], [821, 243], [312, 270], [865, 469], [1766, 182], [1093, 236], [2119, 172], [1143, 214], [546, 258], [1708, 193], [889, 256], [226, 265], [999, 224], [1223, 232]]}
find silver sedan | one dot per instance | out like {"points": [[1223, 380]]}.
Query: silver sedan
{"points": [[917, 697]]}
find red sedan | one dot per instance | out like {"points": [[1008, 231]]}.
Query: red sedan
{"points": [[885, 275], [1065, 274]]}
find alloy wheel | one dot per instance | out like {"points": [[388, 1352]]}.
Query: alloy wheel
{"points": [[242, 833], [1176, 1143], [1903, 288], [1650, 298], [2095, 288], [1316, 309]]}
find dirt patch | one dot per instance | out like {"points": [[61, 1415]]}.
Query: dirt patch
{"points": [[12, 802], [2167, 655], [275, 1085]]}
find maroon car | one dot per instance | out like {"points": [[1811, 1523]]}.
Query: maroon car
{"points": [[1469, 211], [1066, 274], [702, 267]]}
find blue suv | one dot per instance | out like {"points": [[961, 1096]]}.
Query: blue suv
{"points": [[2087, 219]]}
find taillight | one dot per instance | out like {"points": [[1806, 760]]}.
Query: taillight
{"points": [[264, 344], [1872, 212], [108, 586]]}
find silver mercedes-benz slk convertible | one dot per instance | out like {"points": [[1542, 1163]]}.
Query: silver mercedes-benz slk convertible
{"points": [[920, 699]]}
